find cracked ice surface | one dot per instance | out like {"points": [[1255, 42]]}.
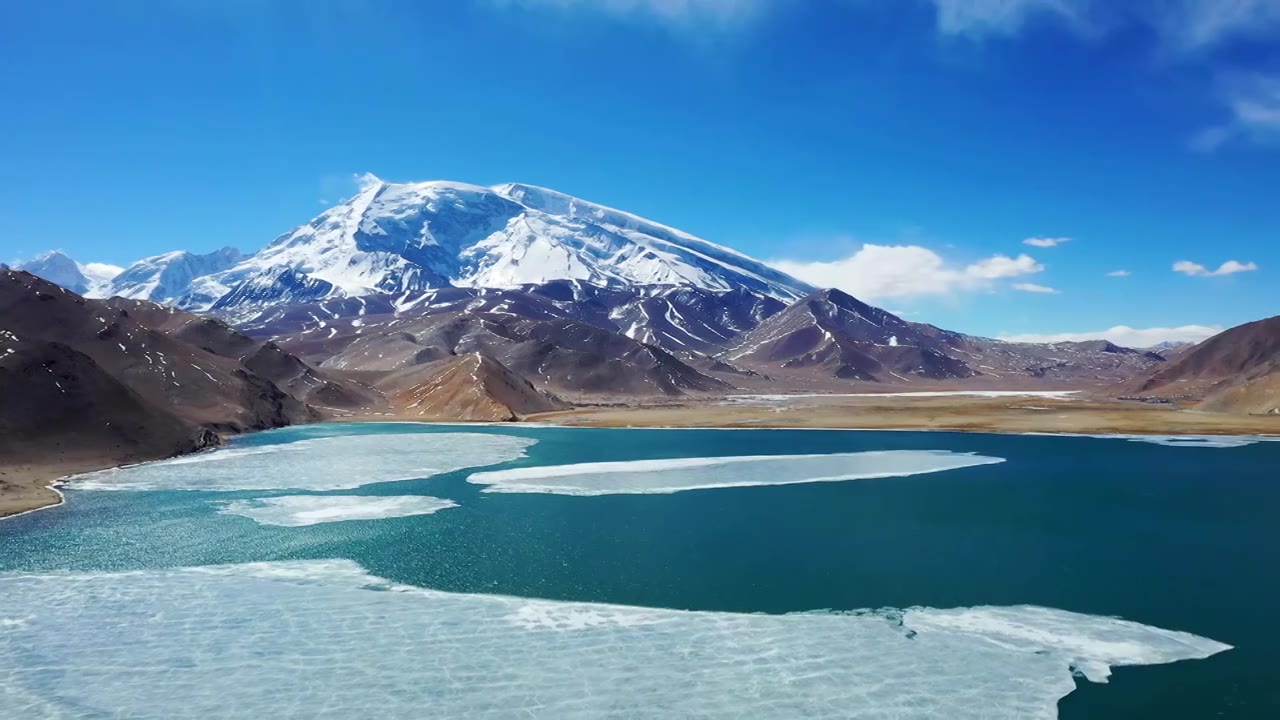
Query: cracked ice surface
{"points": [[676, 475], [334, 463], [299, 510], [325, 639]]}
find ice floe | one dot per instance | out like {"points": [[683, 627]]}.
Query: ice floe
{"points": [[1191, 441], [333, 463], [300, 510], [323, 638], [785, 398], [679, 474]]}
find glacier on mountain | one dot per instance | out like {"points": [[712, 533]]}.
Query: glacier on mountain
{"points": [[88, 279], [179, 278], [406, 237]]}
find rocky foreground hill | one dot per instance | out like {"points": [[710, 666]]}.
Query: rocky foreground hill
{"points": [[1234, 371]]}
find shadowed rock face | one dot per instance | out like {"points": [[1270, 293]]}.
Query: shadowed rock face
{"points": [[62, 410], [1237, 370], [560, 355], [474, 388], [168, 375], [834, 334], [302, 382]]}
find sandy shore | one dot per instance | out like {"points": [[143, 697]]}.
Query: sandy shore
{"points": [[26, 487], [1011, 414]]}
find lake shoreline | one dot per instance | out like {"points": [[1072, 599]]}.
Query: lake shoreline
{"points": [[31, 487]]}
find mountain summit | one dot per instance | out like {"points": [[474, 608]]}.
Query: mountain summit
{"points": [[405, 237]]}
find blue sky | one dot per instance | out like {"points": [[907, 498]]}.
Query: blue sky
{"points": [[903, 149]]}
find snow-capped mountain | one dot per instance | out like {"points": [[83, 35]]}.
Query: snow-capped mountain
{"points": [[407, 237], [404, 238], [176, 278], [88, 279]]}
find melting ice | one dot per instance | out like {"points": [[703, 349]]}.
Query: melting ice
{"points": [[334, 463], [299, 510], [323, 638], [670, 476]]}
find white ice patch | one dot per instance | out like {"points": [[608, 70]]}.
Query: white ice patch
{"points": [[323, 638], [335, 463], [670, 476], [1204, 441], [1046, 394], [1192, 441], [299, 510]]}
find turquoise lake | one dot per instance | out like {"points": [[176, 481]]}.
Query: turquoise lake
{"points": [[1169, 537]]}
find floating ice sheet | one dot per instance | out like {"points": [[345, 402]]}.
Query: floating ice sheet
{"points": [[1191, 441], [322, 638], [1204, 441], [670, 476], [782, 398], [299, 510], [333, 463]]}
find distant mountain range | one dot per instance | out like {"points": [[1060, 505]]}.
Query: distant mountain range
{"points": [[403, 238], [403, 280]]}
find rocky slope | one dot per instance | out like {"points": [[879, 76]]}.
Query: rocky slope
{"points": [[63, 413], [560, 355], [474, 388], [197, 385], [834, 334], [320, 389], [1233, 371]]}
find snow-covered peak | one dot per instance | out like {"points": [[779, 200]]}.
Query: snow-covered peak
{"points": [[168, 278], [89, 279], [409, 237], [401, 238], [99, 277]]}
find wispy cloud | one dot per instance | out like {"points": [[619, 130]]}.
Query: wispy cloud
{"points": [[1034, 288], [895, 271], [717, 11], [366, 180], [1253, 104], [1122, 335], [1195, 24], [1230, 267], [1183, 26], [1119, 273], [976, 18], [1046, 242]]}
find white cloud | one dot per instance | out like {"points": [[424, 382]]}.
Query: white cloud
{"points": [[1183, 26], [1123, 335], [1046, 242], [1193, 24], [1253, 103], [887, 271], [366, 180], [1034, 288], [1230, 267], [1119, 273], [997, 17], [105, 271], [676, 10]]}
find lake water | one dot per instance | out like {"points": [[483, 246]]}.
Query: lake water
{"points": [[400, 570]]}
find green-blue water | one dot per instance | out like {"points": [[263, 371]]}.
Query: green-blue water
{"points": [[1178, 538]]}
